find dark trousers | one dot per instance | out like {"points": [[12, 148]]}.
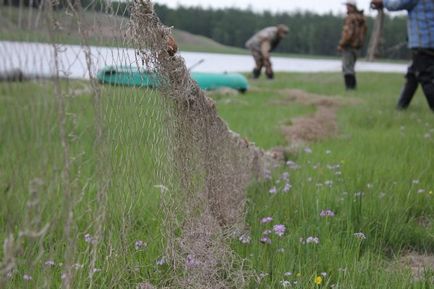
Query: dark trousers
{"points": [[421, 71]]}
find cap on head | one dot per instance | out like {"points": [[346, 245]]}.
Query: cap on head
{"points": [[283, 28], [351, 2]]}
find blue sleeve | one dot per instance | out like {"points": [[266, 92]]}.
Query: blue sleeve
{"points": [[395, 5]]}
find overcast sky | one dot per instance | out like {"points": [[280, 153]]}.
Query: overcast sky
{"points": [[319, 6]]}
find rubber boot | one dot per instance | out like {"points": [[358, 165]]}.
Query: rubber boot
{"points": [[348, 78], [353, 81], [270, 74], [428, 90], [256, 73], [407, 92]]}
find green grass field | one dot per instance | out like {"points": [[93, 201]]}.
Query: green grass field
{"points": [[376, 177]]}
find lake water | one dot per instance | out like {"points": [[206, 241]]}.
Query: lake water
{"points": [[37, 59]]}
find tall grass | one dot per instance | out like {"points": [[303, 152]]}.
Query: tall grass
{"points": [[376, 177]]}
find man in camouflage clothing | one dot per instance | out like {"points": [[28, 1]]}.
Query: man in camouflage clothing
{"points": [[261, 44], [353, 37]]}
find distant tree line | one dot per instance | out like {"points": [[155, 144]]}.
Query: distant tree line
{"points": [[310, 33]]}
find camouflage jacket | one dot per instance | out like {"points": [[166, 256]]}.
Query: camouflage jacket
{"points": [[264, 41], [354, 31]]}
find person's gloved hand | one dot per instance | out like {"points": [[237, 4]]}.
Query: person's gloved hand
{"points": [[377, 4]]}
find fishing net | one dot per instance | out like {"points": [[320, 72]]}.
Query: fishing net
{"points": [[109, 186]]}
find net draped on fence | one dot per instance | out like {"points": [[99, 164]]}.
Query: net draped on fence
{"points": [[106, 186]]}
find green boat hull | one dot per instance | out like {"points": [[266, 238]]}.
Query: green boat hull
{"points": [[130, 76]]}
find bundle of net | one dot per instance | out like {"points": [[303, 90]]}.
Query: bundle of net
{"points": [[212, 166]]}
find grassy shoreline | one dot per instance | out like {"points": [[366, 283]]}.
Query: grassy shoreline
{"points": [[375, 176]]}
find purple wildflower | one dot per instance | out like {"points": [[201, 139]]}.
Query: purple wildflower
{"points": [[265, 240], [266, 220], [327, 213], [89, 239], [279, 230], [191, 262], [287, 187], [273, 190]]}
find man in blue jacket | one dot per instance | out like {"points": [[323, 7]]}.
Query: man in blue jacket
{"points": [[420, 28]]}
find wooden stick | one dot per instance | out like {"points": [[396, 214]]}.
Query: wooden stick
{"points": [[376, 36]]}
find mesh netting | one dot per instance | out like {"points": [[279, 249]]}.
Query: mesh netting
{"points": [[112, 186]]}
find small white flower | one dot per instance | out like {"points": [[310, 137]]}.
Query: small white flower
{"points": [[140, 245], [88, 238], [292, 165], [49, 263], [328, 183], [245, 239], [307, 150], [77, 266], [27, 277], [324, 274], [359, 194], [285, 283], [287, 274], [95, 270], [360, 236], [161, 261], [267, 232], [312, 240], [285, 176]]}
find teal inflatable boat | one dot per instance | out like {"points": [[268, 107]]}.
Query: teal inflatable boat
{"points": [[131, 76]]}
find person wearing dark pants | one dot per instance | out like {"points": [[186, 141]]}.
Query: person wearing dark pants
{"points": [[352, 40], [261, 44], [421, 42]]}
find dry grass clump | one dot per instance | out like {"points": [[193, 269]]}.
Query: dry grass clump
{"points": [[320, 125]]}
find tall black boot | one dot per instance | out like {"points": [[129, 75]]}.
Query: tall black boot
{"points": [[350, 81], [428, 90], [407, 92], [256, 72], [270, 74], [354, 81]]}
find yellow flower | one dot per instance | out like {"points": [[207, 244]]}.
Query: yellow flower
{"points": [[318, 280]]}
